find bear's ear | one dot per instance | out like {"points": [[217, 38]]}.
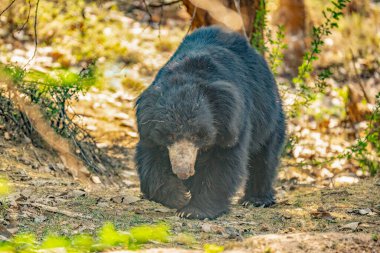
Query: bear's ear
{"points": [[227, 106], [146, 112]]}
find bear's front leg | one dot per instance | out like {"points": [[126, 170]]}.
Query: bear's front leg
{"points": [[157, 182], [219, 173]]}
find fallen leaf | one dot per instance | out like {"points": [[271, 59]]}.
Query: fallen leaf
{"points": [[7, 136], [322, 214]]}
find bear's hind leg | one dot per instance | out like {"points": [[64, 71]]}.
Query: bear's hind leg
{"points": [[262, 168]]}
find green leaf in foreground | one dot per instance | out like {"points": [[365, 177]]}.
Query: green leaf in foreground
{"points": [[143, 234], [4, 187], [212, 248], [55, 241], [109, 236]]}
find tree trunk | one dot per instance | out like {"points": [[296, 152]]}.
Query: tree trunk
{"points": [[292, 14], [202, 17]]}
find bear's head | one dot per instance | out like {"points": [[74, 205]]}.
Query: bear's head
{"points": [[188, 118]]}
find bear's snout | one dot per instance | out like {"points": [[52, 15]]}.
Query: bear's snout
{"points": [[183, 155]]}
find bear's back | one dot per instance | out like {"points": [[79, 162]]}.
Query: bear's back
{"points": [[206, 38]]}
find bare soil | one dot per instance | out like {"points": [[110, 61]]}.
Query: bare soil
{"points": [[309, 218]]}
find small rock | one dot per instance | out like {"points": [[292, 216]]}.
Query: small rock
{"points": [[27, 140], [39, 219], [7, 136], [211, 228], [102, 204], [351, 226], [130, 199], [128, 123], [26, 193], [117, 200], [365, 211], [233, 233], [44, 169], [345, 180], [77, 193], [96, 179], [60, 166]]}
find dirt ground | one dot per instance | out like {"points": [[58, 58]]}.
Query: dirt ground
{"points": [[307, 218], [320, 209]]}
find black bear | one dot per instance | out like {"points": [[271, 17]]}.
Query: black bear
{"points": [[211, 121]]}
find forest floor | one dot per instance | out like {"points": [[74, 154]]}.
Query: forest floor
{"points": [[322, 208], [307, 218]]}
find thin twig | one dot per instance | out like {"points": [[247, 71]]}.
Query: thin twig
{"points": [[160, 22], [6, 8], [192, 19], [148, 11], [27, 18], [56, 210], [361, 84], [237, 5], [162, 4], [35, 33]]}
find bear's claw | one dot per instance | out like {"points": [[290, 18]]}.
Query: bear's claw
{"points": [[258, 202]]}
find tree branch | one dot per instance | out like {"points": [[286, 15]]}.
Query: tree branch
{"points": [[6, 8], [27, 18], [35, 33], [162, 4]]}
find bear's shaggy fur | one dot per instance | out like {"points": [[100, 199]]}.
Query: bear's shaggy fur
{"points": [[211, 121]]}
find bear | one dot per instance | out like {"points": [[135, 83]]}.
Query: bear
{"points": [[211, 122]]}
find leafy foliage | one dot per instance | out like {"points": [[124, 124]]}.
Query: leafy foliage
{"points": [[367, 150], [108, 238], [4, 187], [212, 248], [331, 17], [275, 53], [258, 40], [53, 92]]}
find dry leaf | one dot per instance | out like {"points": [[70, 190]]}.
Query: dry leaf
{"points": [[322, 214], [351, 226]]}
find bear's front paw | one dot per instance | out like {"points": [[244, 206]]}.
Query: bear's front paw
{"points": [[178, 198], [173, 194], [258, 202], [192, 212]]}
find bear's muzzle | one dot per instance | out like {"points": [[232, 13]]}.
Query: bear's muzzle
{"points": [[183, 155]]}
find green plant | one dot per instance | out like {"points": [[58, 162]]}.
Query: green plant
{"points": [[275, 53], [4, 187], [53, 92], [108, 238], [212, 248], [258, 40], [367, 149], [331, 17]]}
